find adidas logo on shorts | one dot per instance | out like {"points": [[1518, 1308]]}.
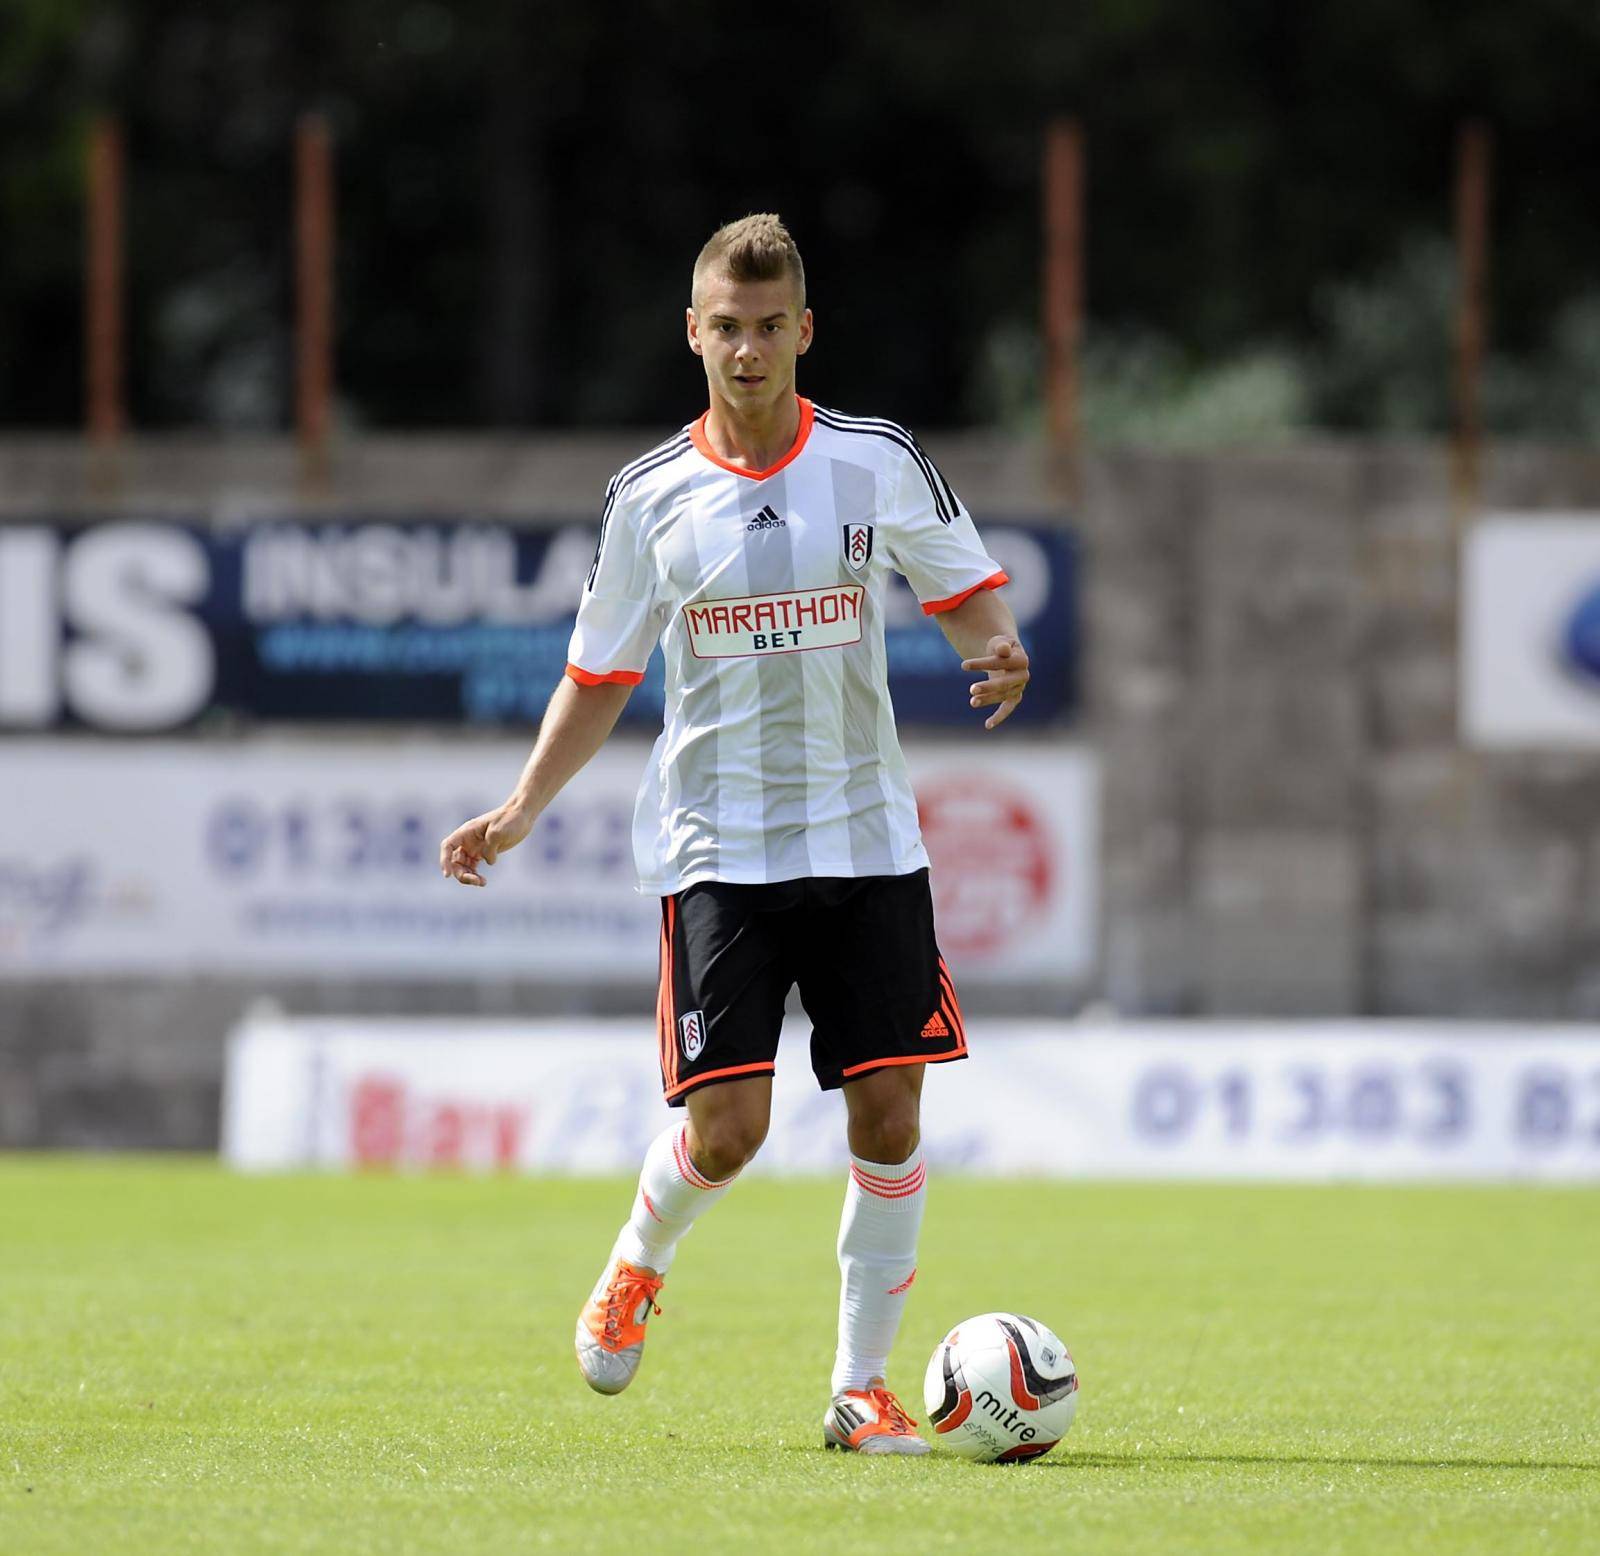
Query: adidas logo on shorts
{"points": [[935, 1026], [766, 519]]}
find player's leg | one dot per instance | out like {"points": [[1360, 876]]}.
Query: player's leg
{"points": [[688, 1168], [727, 1124], [718, 1012], [878, 1021], [882, 1217], [691, 1165], [883, 1205]]}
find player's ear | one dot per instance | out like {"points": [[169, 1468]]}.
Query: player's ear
{"points": [[805, 334], [692, 325]]}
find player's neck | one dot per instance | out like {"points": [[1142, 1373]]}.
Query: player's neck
{"points": [[753, 442]]}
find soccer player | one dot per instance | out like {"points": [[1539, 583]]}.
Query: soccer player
{"points": [[775, 821]]}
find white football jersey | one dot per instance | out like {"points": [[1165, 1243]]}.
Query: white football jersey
{"points": [[778, 757]]}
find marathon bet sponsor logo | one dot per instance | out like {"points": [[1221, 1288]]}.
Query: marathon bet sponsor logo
{"points": [[766, 519], [775, 623], [692, 1034], [857, 546]]}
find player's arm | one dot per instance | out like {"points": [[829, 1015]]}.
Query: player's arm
{"points": [[933, 542], [574, 727], [984, 632], [616, 628]]}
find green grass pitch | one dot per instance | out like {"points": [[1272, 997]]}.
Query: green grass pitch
{"points": [[196, 1362]]}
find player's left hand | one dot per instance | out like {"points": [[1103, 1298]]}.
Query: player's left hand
{"points": [[1007, 665]]}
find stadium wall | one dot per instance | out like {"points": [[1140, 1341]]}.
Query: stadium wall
{"points": [[1290, 824]]}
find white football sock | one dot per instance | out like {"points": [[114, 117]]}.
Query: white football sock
{"points": [[672, 1192], [877, 1263]]}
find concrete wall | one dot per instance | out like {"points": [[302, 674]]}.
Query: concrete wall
{"points": [[1290, 825]]}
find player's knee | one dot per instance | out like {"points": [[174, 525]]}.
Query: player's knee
{"points": [[726, 1141], [889, 1135]]}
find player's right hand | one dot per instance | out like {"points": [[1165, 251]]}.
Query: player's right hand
{"points": [[481, 841]]}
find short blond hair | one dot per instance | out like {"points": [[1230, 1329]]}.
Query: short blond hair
{"points": [[754, 248]]}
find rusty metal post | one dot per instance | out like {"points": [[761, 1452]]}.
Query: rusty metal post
{"points": [[1063, 293], [105, 411], [1472, 308], [1472, 170], [314, 245]]}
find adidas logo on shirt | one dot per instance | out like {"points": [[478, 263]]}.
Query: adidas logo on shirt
{"points": [[766, 519]]}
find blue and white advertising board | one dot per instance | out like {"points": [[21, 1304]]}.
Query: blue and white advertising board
{"points": [[141, 627], [1530, 632]]}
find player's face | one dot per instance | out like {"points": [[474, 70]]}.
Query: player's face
{"points": [[749, 334]]}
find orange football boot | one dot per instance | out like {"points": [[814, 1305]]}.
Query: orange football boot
{"points": [[870, 1420], [610, 1340]]}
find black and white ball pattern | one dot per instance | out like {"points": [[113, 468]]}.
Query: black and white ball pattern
{"points": [[1000, 1387]]}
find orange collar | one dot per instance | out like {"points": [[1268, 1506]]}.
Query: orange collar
{"points": [[697, 435]]}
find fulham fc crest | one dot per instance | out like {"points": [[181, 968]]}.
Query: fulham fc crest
{"points": [[692, 1034], [857, 546]]}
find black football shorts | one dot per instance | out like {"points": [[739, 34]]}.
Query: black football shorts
{"points": [[862, 952]]}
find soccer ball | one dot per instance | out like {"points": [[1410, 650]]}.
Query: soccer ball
{"points": [[1000, 1387]]}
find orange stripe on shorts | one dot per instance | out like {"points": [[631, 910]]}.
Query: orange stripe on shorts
{"points": [[672, 996]]}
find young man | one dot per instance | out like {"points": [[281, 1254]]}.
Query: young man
{"points": [[775, 821]]}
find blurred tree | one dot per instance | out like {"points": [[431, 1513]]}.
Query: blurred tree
{"points": [[524, 183], [42, 125]]}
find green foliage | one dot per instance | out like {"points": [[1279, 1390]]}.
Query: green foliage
{"points": [[522, 187], [1137, 388], [1555, 390], [194, 1362], [1386, 364], [42, 116], [1385, 357]]}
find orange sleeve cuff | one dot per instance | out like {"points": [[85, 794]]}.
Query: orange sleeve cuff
{"points": [[614, 677], [993, 581]]}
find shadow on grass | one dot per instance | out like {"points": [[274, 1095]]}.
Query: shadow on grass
{"points": [[1066, 1459], [1111, 1461]]}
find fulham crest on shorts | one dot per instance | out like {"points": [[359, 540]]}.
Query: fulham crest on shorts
{"points": [[692, 1034]]}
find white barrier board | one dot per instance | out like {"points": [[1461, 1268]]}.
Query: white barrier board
{"points": [[321, 856], [1313, 1101], [1530, 632]]}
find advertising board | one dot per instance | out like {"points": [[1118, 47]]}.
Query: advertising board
{"points": [[321, 856], [142, 627], [1311, 1101], [1530, 632]]}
